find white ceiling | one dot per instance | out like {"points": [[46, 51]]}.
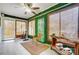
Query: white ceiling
{"points": [[17, 9]]}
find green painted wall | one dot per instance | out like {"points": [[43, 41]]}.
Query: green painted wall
{"points": [[41, 27]]}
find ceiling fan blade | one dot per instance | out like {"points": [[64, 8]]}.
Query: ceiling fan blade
{"points": [[35, 8], [33, 12], [29, 4]]}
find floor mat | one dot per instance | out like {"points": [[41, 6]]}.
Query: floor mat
{"points": [[33, 48]]}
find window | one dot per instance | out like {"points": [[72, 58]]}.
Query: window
{"points": [[20, 28], [32, 27]]}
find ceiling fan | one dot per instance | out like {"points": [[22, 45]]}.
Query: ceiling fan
{"points": [[32, 7]]}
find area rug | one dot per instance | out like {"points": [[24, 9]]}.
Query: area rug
{"points": [[33, 48]]}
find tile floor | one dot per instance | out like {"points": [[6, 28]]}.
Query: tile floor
{"points": [[14, 47]]}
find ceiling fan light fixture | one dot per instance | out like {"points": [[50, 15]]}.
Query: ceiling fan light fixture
{"points": [[28, 10], [25, 12]]}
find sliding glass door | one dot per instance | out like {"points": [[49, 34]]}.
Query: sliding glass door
{"points": [[13, 28], [9, 29]]}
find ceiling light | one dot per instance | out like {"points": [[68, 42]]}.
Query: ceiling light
{"points": [[25, 12]]}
